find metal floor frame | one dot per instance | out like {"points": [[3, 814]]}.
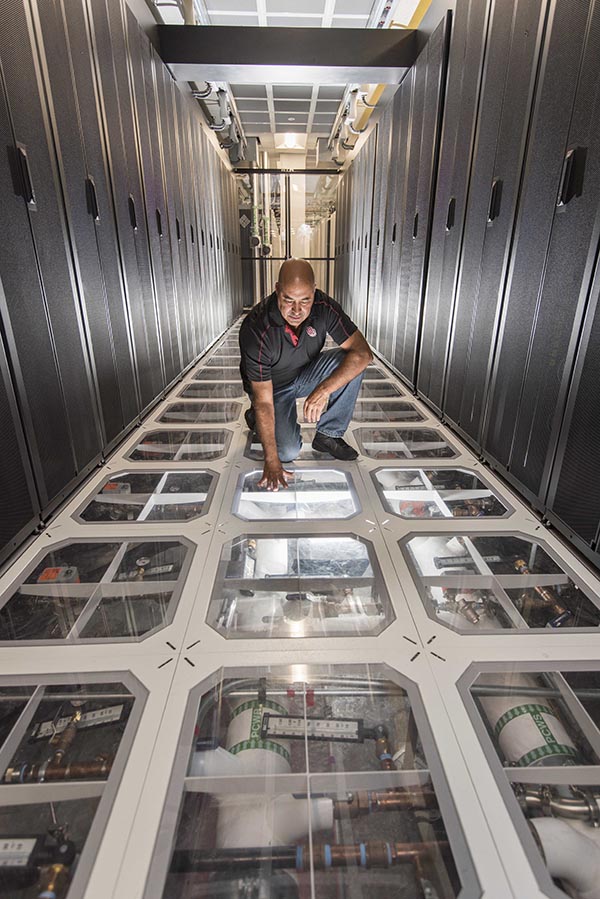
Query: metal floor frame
{"points": [[172, 661]]}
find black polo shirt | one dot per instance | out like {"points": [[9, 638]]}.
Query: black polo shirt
{"points": [[266, 345]]}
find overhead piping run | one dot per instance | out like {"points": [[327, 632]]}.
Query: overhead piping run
{"points": [[205, 92]]}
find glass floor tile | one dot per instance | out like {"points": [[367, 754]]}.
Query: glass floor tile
{"points": [[228, 361], [534, 727], [254, 448], [436, 493], [67, 738], [217, 374], [151, 496], [213, 412], [373, 373], [311, 494], [374, 389], [214, 391], [181, 446], [403, 443], [290, 813], [483, 582], [386, 410], [299, 586], [93, 589]]}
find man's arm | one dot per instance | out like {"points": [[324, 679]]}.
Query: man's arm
{"points": [[358, 356], [274, 474]]}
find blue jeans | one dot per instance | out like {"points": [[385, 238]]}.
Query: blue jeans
{"points": [[336, 418]]}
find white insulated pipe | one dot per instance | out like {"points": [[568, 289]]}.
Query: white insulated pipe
{"points": [[571, 856]]}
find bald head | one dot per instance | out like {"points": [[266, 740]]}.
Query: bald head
{"points": [[296, 270], [295, 291]]}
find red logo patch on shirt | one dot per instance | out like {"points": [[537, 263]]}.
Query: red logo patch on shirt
{"points": [[311, 331]]}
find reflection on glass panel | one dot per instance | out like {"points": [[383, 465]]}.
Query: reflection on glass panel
{"points": [[121, 590], [223, 360], [480, 582], [436, 493], [374, 373], [535, 720], [151, 496], [299, 587], [201, 413], [217, 374], [403, 443], [312, 493], [214, 391], [354, 803], [372, 389], [387, 410], [72, 733], [180, 446], [254, 448]]}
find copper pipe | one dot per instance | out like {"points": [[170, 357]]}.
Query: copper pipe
{"points": [[547, 596], [365, 802], [43, 773]]}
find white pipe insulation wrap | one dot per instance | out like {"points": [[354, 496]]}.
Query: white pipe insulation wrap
{"points": [[244, 740], [259, 820], [570, 856], [528, 732]]}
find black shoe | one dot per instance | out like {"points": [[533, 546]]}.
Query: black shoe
{"points": [[335, 446], [250, 417]]}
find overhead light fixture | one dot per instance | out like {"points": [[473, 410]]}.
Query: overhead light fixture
{"points": [[291, 118], [290, 141]]}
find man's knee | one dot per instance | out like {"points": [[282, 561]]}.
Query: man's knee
{"points": [[287, 452]]}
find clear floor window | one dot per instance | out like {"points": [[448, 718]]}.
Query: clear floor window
{"points": [[312, 493], [532, 722], [218, 374], [386, 410], [151, 496], [96, 590], [351, 804], [374, 389], [403, 443], [299, 586], [232, 361], [201, 413], [436, 493], [213, 391], [72, 737], [480, 582], [180, 446]]}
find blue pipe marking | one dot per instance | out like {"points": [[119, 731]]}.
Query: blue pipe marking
{"points": [[327, 849], [363, 855], [298, 858], [389, 854]]}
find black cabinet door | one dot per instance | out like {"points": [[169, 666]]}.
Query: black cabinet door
{"points": [[430, 72], [514, 42], [74, 122], [146, 111], [469, 27], [19, 506], [378, 235], [110, 53], [554, 253], [574, 495], [47, 340]]}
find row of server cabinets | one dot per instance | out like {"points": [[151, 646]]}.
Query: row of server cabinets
{"points": [[474, 256], [117, 265]]}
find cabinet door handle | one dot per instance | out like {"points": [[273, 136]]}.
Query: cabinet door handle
{"points": [[416, 226], [92, 198], [159, 227], [28, 192], [451, 214], [132, 215], [394, 233], [495, 200], [571, 181]]}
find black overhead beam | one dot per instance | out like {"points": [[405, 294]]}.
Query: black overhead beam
{"points": [[245, 55]]}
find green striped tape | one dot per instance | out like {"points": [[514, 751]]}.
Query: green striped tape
{"points": [[256, 704], [516, 712], [543, 752], [261, 744]]}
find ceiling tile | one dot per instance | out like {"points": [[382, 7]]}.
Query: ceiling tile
{"points": [[248, 90], [256, 129], [307, 6], [331, 91], [327, 105], [321, 127], [285, 120], [353, 7], [292, 91], [234, 20], [343, 22], [255, 117], [292, 106], [232, 5], [248, 105], [294, 21]]}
